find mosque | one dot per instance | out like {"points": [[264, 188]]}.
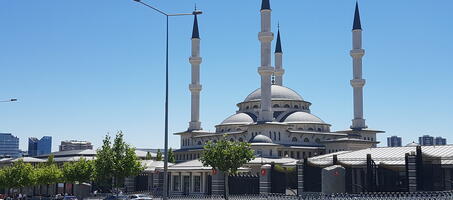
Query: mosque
{"points": [[275, 119]]}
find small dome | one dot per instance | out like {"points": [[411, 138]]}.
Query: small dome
{"points": [[261, 139], [240, 118], [303, 117], [412, 144], [277, 93]]}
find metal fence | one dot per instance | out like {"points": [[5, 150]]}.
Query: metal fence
{"points": [[315, 196]]}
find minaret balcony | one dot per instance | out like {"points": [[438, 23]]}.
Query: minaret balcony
{"points": [[265, 36], [195, 87], [195, 60], [357, 83], [357, 53], [265, 70], [279, 72]]}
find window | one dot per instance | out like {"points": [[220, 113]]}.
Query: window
{"points": [[279, 153], [247, 107], [306, 140], [318, 140], [275, 106], [286, 106], [372, 139], [255, 106], [303, 154], [292, 154], [197, 183], [270, 152], [215, 141], [319, 129], [241, 140], [296, 106], [275, 136], [309, 154], [278, 136], [310, 129], [298, 155], [286, 153], [199, 143], [294, 139], [176, 183]]}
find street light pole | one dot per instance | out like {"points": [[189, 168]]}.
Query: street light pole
{"points": [[196, 12], [9, 100]]}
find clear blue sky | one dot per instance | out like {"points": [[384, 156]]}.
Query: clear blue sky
{"points": [[84, 68]]}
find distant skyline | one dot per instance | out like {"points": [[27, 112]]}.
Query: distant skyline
{"points": [[81, 69]]}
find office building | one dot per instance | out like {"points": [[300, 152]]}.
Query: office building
{"points": [[75, 145], [440, 141], [394, 141], [9, 145], [41, 146]]}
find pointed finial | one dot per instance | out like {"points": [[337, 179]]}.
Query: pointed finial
{"points": [[278, 46], [195, 32], [357, 25], [195, 6], [265, 5]]}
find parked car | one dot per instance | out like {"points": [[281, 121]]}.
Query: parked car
{"points": [[114, 197], [69, 198], [140, 197]]}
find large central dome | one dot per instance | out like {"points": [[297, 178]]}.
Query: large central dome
{"points": [[278, 93]]}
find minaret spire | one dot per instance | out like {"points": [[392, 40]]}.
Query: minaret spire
{"points": [[265, 70], [195, 86], [279, 71], [357, 83]]}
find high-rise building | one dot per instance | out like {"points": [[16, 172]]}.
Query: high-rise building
{"points": [[440, 141], [75, 145], [9, 145], [41, 146], [426, 140], [394, 141]]}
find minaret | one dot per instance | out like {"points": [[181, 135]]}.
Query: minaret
{"points": [[357, 83], [265, 70], [279, 71], [195, 86]]}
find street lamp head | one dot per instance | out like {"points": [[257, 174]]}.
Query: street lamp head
{"points": [[197, 12], [137, 0], [13, 100]]}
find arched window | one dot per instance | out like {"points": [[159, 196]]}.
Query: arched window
{"points": [[296, 106], [229, 130], [310, 129], [306, 140], [199, 143], [275, 106], [317, 140], [300, 129], [238, 129], [255, 106], [241, 140], [247, 107], [286, 106], [294, 139], [319, 129]]}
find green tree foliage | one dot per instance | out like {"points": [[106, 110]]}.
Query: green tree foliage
{"points": [[159, 155], [78, 172], [115, 162], [19, 175], [148, 156], [226, 156], [3, 183], [171, 156]]}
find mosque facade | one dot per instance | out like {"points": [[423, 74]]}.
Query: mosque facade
{"points": [[275, 119]]}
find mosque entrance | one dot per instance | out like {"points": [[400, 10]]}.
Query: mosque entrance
{"points": [[283, 180]]}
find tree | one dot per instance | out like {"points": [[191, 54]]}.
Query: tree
{"points": [[159, 155], [148, 156], [171, 156], [78, 172], [47, 174], [227, 157], [2, 178], [19, 175], [103, 165], [116, 161]]}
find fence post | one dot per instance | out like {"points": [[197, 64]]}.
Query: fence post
{"points": [[265, 179], [300, 177], [218, 182], [411, 172]]}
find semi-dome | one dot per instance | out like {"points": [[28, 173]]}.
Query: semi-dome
{"points": [[240, 118], [278, 93], [303, 117], [261, 139]]}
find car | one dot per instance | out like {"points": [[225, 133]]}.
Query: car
{"points": [[114, 197], [69, 198], [140, 197]]}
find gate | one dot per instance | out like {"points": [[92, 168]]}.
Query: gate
{"points": [[371, 173], [283, 179], [244, 184], [312, 178], [141, 183]]}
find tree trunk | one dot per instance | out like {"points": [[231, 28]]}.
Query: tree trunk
{"points": [[227, 188]]}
